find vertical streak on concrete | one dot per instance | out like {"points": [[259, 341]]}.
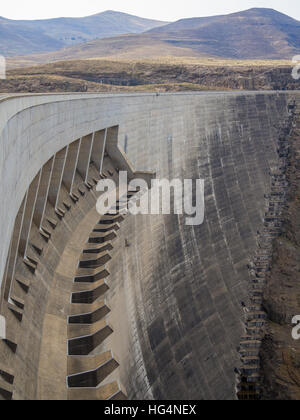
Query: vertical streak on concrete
{"points": [[90, 157], [103, 151], [14, 249], [32, 195], [126, 144], [2, 298], [56, 178], [85, 156], [71, 165], [43, 192], [99, 148], [61, 177]]}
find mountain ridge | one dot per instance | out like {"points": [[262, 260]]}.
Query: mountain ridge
{"points": [[256, 11], [20, 37], [249, 34], [252, 34]]}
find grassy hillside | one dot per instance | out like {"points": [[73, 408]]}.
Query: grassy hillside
{"points": [[150, 75]]}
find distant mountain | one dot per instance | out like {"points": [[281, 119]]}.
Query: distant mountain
{"points": [[36, 36], [255, 33], [252, 34]]}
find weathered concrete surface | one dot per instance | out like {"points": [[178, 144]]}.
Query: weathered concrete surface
{"points": [[176, 292], [185, 289]]}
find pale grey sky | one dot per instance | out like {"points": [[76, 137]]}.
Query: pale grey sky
{"points": [[157, 9]]}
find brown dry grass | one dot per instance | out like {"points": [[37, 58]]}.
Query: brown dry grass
{"points": [[120, 61], [163, 74]]}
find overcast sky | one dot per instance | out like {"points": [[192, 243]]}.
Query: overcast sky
{"points": [[157, 9]]}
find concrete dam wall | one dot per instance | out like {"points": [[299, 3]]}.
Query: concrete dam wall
{"points": [[138, 307]]}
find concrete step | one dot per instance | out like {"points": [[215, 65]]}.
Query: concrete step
{"points": [[271, 230], [74, 197], [45, 233], [265, 246], [107, 174], [90, 275], [263, 263], [96, 179], [83, 344], [67, 205], [82, 364], [60, 212], [249, 370], [258, 286], [20, 303], [108, 219], [101, 237], [250, 344], [86, 314], [30, 264], [90, 296], [256, 315], [23, 281], [272, 224], [256, 323], [249, 395], [263, 258], [53, 223], [94, 260], [245, 386], [254, 378], [264, 252], [248, 352], [82, 308], [253, 330], [256, 300], [97, 249], [6, 381], [257, 294], [18, 312], [248, 337], [92, 370], [254, 308], [90, 184], [250, 360], [6, 389], [86, 287], [260, 275], [83, 330], [258, 281], [81, 190], [7, 373], [104, 227], [262, 270], [112, 391]]}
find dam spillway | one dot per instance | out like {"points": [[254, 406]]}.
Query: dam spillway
{"points": [[140, 307]]}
